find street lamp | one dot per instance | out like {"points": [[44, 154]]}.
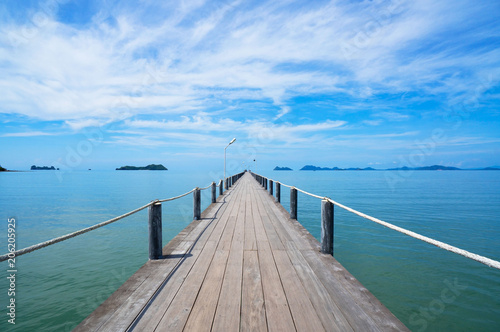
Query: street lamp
{"points": [[232, 141]]}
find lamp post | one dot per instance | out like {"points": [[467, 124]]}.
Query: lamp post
{"points": [[232, 141]]}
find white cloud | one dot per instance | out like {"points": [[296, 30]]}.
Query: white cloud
{"points": [[203, 57], [27, 134], [392, 116]]}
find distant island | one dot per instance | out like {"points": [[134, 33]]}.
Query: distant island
{"points": [[152, 167], [43, 168], [2, 169], [426, 168], [277, 168], [404, 168], [316, 168]]}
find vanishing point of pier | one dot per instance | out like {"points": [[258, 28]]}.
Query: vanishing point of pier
{"points": [[244, 265]]}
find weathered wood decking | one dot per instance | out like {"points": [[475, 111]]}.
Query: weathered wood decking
{"points": [[244, 266]]}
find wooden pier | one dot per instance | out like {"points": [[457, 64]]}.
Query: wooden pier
{"points": [[244, 265]]}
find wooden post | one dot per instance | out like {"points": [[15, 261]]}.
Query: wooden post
{"points": [[155, 239], [221, 188], [278, 192], [293, 203], [226, 184], [196, 204], [271, 187], [265, 183], [326, 227], [214, 192]]}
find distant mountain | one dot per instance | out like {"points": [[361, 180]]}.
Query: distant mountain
{"points": [[404, 168], [426, 168], [277, 168], [152, 167], [316, 168], [43, 168]]}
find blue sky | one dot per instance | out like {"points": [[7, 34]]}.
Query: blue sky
{"points": [[101, 84]]}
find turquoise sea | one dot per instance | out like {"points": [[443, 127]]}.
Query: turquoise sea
{"points": [[429, 289]]}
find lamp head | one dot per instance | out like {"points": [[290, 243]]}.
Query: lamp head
{"points": [[232, 141]]}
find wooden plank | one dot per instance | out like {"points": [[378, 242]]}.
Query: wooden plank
{"points": [[239, 230], [368, 303], [203, 311], [284, 226], [328, 311], [133, 305], [105, 311], [177, 313], [227, 235], [253, 315], [303, 313], [264, 212], [279, 317], [250, 241], [260, 231], [156, 309], [355, 315], [121, 297], [227, 316]]}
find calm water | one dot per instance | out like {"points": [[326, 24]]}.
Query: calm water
{"points": [[429, 289]]}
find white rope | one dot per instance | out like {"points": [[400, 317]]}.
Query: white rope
{"points": [[85, 230], [176, 197], [209, 186], [481, 259], [305, 192], [70, 235], [298, 189], [442, 245]]}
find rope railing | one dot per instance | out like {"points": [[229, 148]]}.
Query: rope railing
{"points": [[68, 236], [176, 197], [157, 202], [293, 206]]}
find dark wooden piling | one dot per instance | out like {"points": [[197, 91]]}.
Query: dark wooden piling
{"points": [[293, 203], [214, 192], [278, 192], [196, 204], [327, 227], [271, 183], [155, 237]]}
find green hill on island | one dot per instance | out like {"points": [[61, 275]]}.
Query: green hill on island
{"points": [[277, 168], [2, 169], [316, 168], [152, 167], [43, 168]]}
